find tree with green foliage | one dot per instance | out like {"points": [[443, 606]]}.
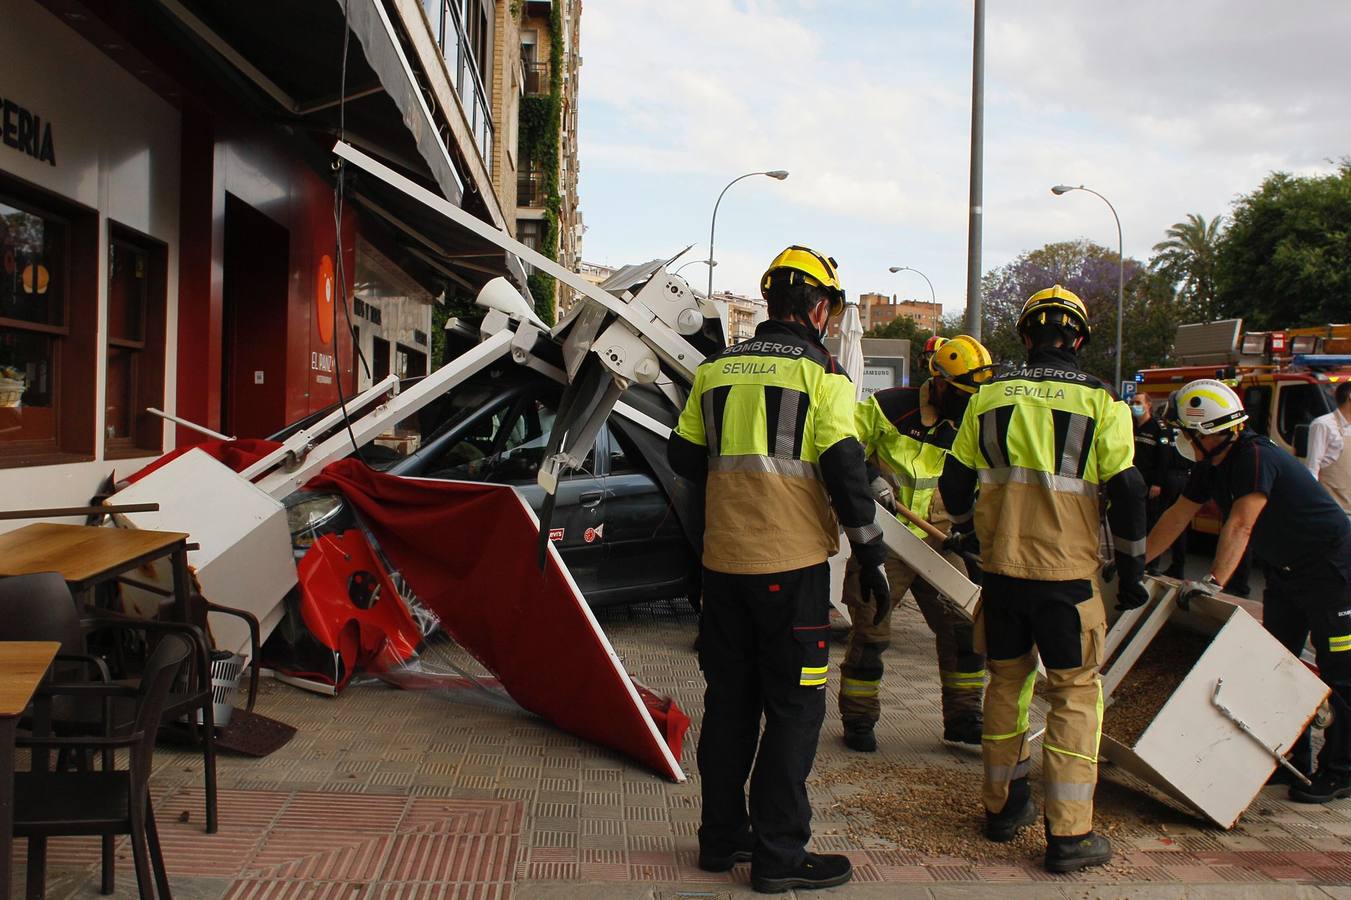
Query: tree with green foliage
{"points": [[1188, 260], [1285, 260], [907, 329], [1090, 271]]}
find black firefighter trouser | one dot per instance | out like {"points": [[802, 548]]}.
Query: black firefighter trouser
{"points": [[1315, 599], [1066, 622], [764, 649]]}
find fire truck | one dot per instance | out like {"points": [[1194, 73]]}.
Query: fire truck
{"points": [[1285, 378]]}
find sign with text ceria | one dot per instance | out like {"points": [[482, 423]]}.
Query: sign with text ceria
{"points": [[26, 132]]}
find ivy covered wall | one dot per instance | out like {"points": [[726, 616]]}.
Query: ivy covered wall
{"points": [[540, 127]]}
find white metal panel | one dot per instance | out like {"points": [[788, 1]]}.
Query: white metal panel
{"points": [[244, 561], [1191, 750], [929, 563]]}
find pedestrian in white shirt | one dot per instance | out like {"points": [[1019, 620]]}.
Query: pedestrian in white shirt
{"points": [[1329, 456]]}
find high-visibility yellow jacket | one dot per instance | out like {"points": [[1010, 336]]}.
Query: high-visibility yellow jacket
{"points": [[769, 426], [902, 431], [1041, 440]]}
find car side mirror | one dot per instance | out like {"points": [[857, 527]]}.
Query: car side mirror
{"points": [[1301, 440]]}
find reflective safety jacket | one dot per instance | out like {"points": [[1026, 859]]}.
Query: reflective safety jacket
{"points": [[1041, 440], [769, 426], [902, 431]]}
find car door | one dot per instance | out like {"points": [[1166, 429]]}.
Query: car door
{"points": [[649, 557], [577, 526]]}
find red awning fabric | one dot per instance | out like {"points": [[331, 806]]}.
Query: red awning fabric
{"points": [[466, 551]]}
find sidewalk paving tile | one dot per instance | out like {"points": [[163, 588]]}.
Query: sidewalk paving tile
{"points": [[390, 795]]}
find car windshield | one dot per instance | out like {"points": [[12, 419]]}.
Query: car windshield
{"points": [[505, 443], [403, 438]]}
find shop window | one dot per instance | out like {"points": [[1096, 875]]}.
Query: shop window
{"points": [[47, 324], [136, 331]]}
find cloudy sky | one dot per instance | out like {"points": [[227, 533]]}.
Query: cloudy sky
{"points": [[1164, 107]]}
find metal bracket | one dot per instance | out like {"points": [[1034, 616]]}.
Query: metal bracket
{"points": [[1275, 752]]}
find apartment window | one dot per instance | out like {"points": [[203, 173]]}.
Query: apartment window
{"points": [[136, 340], [528, 232], [46, 329]]}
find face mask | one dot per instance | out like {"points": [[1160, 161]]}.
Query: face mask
{"points": [[1186, 445], [1186, 448], [1137, 412]]}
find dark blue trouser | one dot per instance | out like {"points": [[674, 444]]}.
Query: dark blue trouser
{"points": [[1314, 599], [764, 649]]}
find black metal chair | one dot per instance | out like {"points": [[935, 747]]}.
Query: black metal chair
{"points": [[107, 802], [40, 607]]}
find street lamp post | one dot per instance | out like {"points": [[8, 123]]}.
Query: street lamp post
{"points": [[1060, 189], [701, 262], [932, 296], [776, 174]]}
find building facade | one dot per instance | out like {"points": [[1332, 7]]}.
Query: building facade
{"points": [[876, 310], [547, 205], [740, 314], [181, 239]]}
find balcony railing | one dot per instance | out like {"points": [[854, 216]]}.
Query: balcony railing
{"points": [[530, 189], [464, 75], [537, 79]]}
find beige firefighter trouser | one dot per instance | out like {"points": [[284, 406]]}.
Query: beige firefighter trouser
{"points": [[961, 670], [1073, 726]]}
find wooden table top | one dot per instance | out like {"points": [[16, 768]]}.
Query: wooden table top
{"points": [[78, 552], [22, 665]]}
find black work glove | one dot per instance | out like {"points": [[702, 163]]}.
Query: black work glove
{"points": [[872, 578], [1131, 592], [1131, 595], [961, 543]]}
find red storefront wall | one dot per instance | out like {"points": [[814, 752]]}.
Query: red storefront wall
{"points": [[257, 248]]}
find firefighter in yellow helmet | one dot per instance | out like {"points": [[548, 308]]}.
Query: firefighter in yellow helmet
{"points": [[906, 432], [769, 430], [1042, 441]]}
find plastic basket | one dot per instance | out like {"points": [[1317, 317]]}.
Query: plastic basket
{"points": [[226, 670]]}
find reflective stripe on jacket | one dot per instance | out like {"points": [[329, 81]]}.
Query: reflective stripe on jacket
{"points": [[768, 410], [1041, 440], [903, 433]]}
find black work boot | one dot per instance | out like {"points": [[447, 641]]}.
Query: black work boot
{"points": [[859, 736], [963, 730], [1019, 811], [720, 858], [1070, 854], [1327, 786], [1004, 826], [815, 871]]}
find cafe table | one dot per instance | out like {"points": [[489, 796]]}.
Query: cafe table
{"points": [[88, 555], [23, 664]]}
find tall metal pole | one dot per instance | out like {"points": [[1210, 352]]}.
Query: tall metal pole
{"points": [[973, 234], [777, 174]]}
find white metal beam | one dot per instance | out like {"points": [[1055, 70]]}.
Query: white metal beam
{"points": [[673, 348], [279, 483]]}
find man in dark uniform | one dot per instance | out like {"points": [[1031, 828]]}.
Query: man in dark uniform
{"points": [[769, 430], [1296, 529], [1164, 469]]}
